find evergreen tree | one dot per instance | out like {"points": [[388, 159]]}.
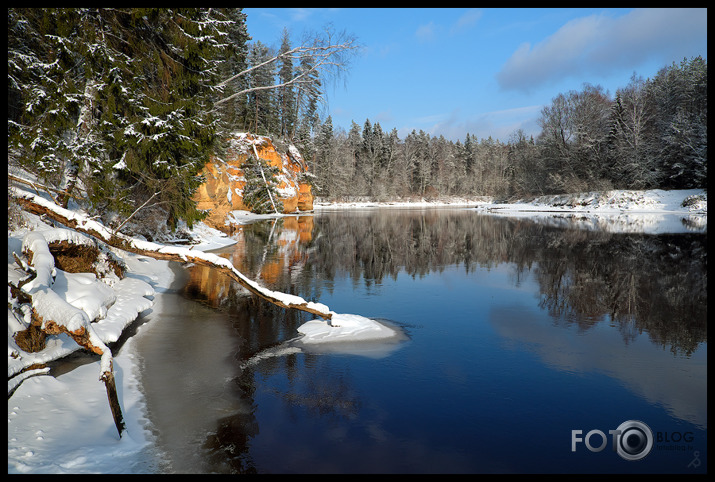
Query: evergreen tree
{"points": [[308, 94], [390, 145], [46, 83], [680, 102], [369, 154], [233, 113], [260, 194], [323, 159], [261, 103], [165, 114], [352, 160], [286, 95], [119, 100]]}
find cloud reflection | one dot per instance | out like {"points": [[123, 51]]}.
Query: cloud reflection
{"points": [[677, 383]]}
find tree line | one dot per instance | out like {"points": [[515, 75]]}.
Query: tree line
{"points": [[652, 134]]}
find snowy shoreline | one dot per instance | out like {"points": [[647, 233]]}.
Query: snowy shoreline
{"points": [[654, 211], [607, 202], [63, 424]]}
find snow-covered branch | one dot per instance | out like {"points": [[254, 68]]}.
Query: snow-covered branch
{"points": [[82, 223], [54, 315]]}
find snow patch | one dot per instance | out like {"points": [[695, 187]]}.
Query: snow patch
{"points": [[344, 327]]}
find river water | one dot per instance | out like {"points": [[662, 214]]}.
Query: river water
{"points": [[523, 346]]}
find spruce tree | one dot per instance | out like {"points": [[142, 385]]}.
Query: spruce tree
{"points": [[46, 79], [261, 103], [233, 114], [260, 194], [117, 100], [680, 101], [322, 164], [286, 95], [308, 95]]}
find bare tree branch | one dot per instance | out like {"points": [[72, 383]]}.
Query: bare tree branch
{"points": [[324, 54]]}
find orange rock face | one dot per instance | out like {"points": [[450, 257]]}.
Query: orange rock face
{"points": [[222, 192]]}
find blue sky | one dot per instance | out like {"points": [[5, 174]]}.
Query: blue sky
{"points": [[486, 72]]}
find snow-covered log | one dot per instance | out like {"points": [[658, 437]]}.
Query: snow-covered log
{"points": [[54, 315], [38, 205]]}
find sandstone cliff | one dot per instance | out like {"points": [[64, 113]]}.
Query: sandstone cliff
{"points": [[222, 192]]}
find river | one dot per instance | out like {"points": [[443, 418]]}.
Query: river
{"points": [[524, 348]]}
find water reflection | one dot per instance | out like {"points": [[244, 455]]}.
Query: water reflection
{"points": [[677, 383], [586, 283], [640, 283]]}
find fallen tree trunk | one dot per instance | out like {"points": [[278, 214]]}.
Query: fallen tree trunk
{"points": [[53, 315], [38, 205]]}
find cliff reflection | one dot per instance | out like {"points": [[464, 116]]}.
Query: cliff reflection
{"points": [[642, 283], [265, 251]]}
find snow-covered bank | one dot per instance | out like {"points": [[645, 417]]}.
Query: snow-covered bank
{"points": [[650, 212], [63, 424], [608, 202], [320, 205], [684, 201]]}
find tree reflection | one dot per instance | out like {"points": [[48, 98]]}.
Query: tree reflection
{"points": [[641, 283], [653, 284]]}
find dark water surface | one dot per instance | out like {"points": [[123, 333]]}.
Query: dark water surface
{"points": [[516, 335]]}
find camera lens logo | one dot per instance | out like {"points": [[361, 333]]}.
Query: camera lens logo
{"points": [[634, 440]]}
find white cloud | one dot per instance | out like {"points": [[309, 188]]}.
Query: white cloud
{"points": [[466, 21], [499, 124], [600, 44], [300, 14], [426, 33]]}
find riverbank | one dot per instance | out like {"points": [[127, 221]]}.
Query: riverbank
{"points": [[63, 425], [649, 212], [690, 201]]}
